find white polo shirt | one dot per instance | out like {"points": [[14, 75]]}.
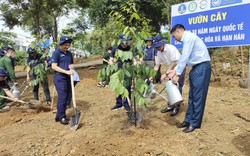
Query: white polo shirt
{"points": [[169, 54]]}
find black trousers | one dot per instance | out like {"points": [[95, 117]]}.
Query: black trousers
{"points": [[46, 91], [158, 75]]}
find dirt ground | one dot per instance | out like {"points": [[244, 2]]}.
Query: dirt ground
{"points": [[225, 129]]}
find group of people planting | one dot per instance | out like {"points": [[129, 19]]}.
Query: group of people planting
{"points": [[61, 61], [158, 52]]}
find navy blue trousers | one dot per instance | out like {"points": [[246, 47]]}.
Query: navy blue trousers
{"points": [[63, 88], [45, 90], [199, 78], [124, 102]]}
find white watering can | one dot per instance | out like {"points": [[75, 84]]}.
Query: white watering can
{"points": [[173, 93], [174, 96], [15, 91], [152, 92]]}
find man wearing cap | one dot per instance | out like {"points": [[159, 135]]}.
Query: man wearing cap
{"points": [[151, 53], [123, 46], [194, 54], [33, 60], [169, 55], [150, 57], [1, 53], [5, 49], [62, 63], [6, 70]]}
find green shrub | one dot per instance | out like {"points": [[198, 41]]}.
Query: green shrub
{"points": [[20, 58]]}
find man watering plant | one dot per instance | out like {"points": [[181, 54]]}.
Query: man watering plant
{"points": [[6, 69], [33, 60], [194, 54], [169, 55]]}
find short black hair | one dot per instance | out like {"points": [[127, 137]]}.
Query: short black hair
{"points": [[177, 26]]}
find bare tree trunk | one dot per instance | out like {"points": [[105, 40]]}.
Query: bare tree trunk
{"points": [[55, 28], [168, 6], [37, 20], [37, 23]]}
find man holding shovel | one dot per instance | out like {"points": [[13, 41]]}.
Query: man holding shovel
{"points": [[169, 55], [62, 63], [6, 70], [5, 49]]}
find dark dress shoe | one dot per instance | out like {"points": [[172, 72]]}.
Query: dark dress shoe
{"points": [[182, 125], [188, 129], [174, 112], [64, 121], [167, 109]]}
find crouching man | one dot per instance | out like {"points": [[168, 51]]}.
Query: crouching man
{"points": [[6, 69]]}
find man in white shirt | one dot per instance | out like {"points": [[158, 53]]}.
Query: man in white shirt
{"points": [[169, 55], [194, 54]]}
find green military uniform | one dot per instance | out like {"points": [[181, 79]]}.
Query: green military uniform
{"points": [[5, 63], [106, 56], [2, 100]]}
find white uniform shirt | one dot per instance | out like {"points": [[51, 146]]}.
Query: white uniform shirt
{"points": [[169, 54]]}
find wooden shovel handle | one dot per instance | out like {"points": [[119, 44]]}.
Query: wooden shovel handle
{"points": [[73, 90], [8, 98]]}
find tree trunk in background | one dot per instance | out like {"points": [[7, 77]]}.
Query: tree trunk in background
{"points": [[37, 31], [55, 28]]}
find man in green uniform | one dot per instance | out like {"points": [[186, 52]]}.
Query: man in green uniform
{"points": [[2, 101], [6, 69], [105, 58]]}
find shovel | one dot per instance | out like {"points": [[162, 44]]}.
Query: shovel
{"points": [[52, 101], [32, 104], [75, 118], [26, 87]]}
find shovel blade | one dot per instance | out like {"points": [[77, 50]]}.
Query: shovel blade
{"points": [[74, 122], [33, 104]]}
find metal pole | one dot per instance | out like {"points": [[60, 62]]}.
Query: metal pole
{"points": [[135, 112], [242, 63]]}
